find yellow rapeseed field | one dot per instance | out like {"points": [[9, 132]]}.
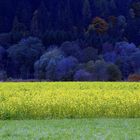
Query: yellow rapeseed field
{"points": [[69, 100]]}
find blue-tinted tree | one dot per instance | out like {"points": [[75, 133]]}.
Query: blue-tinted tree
{"points": [[66, 69], [107, 47], [71, 49], [82, 75], [110, 57], [2, 58], [89, 54], [3, 75], [135, 61], [124, 50], [45, 67], [5, 39], [99, 71], [23, 55]]}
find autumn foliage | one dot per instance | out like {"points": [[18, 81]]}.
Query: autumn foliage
{"points": [[100, 25], [134, 77]]}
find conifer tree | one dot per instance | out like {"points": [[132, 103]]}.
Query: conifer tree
{"points": [[86, 12], [39, 20]]}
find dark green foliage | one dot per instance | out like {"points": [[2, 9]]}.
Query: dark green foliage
{"points": [[71, 49], [99, 71], [89, 54], [57, 37], [114, 74], [5, 39]]}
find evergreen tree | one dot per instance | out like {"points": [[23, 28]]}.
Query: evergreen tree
{"points": [[86, 12], [18, 31], [24, 12], [39, 20], [64, 15]]}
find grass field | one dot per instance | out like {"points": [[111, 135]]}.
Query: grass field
{"points": [[69, 100], [75, 129]]}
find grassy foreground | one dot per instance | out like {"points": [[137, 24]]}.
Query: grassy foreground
{"points": [[69, 100], [84, 129]]}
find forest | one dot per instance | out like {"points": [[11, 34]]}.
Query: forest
{"points": [[70, 40]]}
